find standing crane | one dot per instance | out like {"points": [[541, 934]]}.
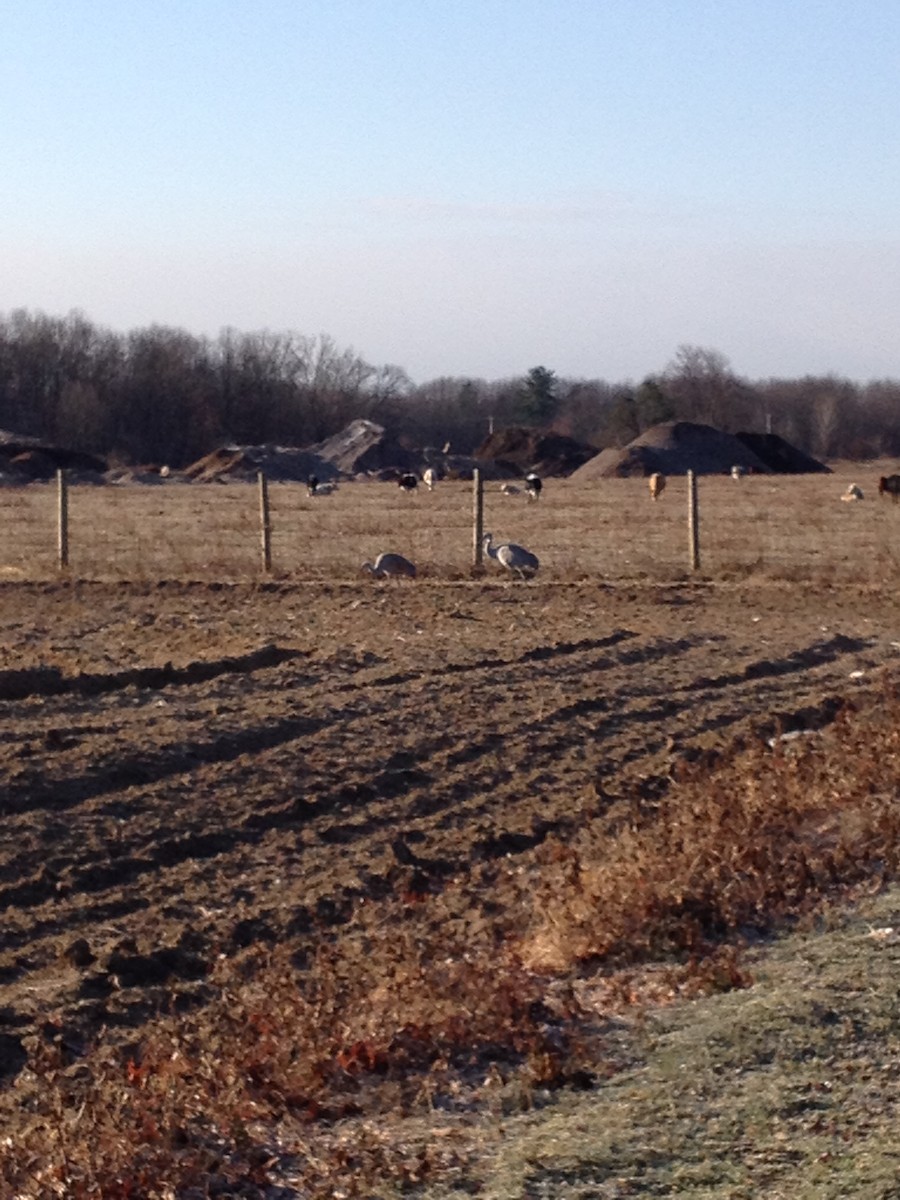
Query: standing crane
{"points": [[515, 558]]}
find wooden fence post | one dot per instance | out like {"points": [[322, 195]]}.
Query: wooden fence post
{"points": [[62, 521], [693, 522], [265, 525], [477, 519]]}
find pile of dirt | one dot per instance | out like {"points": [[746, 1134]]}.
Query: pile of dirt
{"points": [[674, 448], [780, 456], [519, 450], [281, 464], [366, 448], [30, 460]]}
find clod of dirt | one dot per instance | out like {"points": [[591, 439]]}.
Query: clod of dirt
{"points": [[145, 970], [12, 1056], [79, 953]]}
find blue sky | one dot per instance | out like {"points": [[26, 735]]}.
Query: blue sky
{"points": [[461, 187]]}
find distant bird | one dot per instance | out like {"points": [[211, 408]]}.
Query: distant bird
{"points": [[408, 482], [430, 478], [657, 484], [393, 565], [533, 486], [515, 558]]}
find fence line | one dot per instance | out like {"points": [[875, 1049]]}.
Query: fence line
{"points": [[786, 527]]}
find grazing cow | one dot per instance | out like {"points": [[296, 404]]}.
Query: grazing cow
{"points": [[430, 478], [533, 486], [889, 485], [408, 482], [509, 489], [657, 484], [311, 484]]}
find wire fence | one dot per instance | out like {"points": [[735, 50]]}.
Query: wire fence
{"points": [[787, 527]]}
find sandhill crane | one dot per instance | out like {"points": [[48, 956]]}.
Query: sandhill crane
{"points": [[393, 565], [533, 486], [515, 558]]}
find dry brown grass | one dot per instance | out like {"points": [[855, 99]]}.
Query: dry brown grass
{"points": [[432, 1000], [790, 528]]}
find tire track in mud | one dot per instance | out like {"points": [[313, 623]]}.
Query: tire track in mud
{"points": [[42, 791], [450, 749], [273, 798], [50, 681], [424, 778], [145, 769], [449, 784]]}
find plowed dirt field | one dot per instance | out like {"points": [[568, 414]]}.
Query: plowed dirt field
{"points": [[188, 768]]}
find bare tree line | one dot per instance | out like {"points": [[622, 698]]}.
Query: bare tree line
{"points": [[161, 394]]}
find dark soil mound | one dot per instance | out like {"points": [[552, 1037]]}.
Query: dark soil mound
{"points": [[780, 456], [674, 448], [281, 464], [26, 459], [365, 448], [519, 450]]}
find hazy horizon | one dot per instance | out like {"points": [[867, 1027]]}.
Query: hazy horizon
{"points": [[465, 191]]}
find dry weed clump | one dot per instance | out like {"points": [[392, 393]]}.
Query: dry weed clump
{"points": [[757, 841], [385, 1020], [419, 1004]]}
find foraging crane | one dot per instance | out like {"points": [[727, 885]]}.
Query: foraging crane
{"points": [[515, 558], [393, 565]]}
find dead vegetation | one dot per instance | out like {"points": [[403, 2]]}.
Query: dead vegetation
{"points": [[776, 527], [461, 1000]]}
